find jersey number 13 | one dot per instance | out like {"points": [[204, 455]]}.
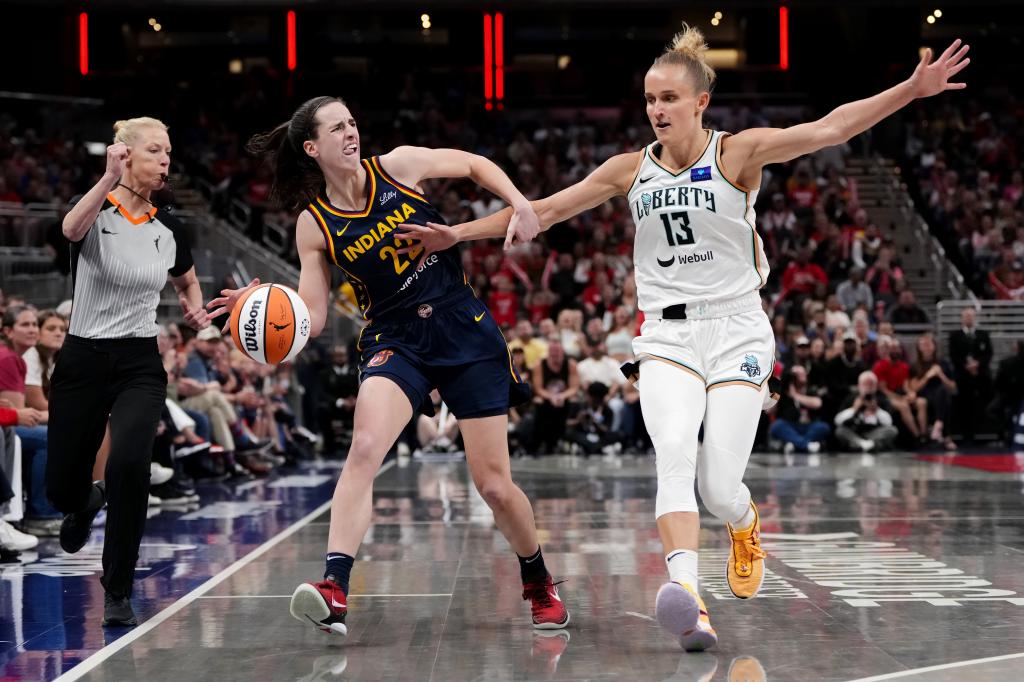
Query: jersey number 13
{"points": [[677, 228]]}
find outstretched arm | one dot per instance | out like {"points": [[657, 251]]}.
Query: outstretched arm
{"points": [[612, 178], [410, 165], [752, 149]]}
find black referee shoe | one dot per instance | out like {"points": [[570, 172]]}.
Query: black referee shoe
{"points": [[77, 527], [117, 611]]}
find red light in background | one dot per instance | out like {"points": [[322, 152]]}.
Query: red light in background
{"points": [[499, 57], [291, 41], [488, 60], [83, 43], [784, 38]]}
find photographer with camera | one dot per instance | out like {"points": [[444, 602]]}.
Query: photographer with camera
{"points": [[864, 424]]}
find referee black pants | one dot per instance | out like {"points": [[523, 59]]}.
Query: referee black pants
{"points": [[122, 380]]}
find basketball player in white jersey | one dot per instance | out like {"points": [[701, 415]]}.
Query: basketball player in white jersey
{"points": [[706, 347]]}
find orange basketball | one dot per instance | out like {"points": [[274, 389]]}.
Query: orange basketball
{"points": [[270, 324]]}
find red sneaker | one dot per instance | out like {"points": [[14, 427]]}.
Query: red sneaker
{"points": [[549, 613], [323, 604]]}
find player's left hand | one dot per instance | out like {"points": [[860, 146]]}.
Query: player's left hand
{"points": [[432, 237], [523, 226], [194, 317], [931, 78], [225, 303]]}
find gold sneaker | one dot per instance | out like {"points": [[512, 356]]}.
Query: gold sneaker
{"points": [[744, 570]]}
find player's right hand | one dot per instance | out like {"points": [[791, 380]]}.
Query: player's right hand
{"points": [[432, 237], [523, 227], [225, 303]]}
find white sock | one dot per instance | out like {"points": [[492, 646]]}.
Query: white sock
{"points": [[682, 566], [747, 521]]}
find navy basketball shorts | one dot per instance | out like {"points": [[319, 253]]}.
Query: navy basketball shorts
{"points": [[453, 345]]}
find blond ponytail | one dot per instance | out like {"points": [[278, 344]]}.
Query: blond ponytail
{"points": [[127, 131], [688, 49]]}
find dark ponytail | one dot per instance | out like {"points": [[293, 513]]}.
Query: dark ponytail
{"points": [[297, 177]]}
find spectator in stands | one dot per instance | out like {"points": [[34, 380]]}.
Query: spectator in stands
{"points": [[801, 353], [835, 317], [620, 339], [801, 275], [867, 241], [883, 276], [930, 379], [865, 337], [504, 302], [203, 393], [589, 424], [864, 424], [970, 351], [570, 332], [555, 384], [11, 539], [1007, 278], [893, 375], [339, 385], [854, 292], [907, 312], [20, 333], [778, 225], [841, 374], [534, 348], [796, 416], [40, 359], [438, 432], [1008, 405]]}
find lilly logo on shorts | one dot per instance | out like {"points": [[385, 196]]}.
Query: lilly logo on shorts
{"points": [[380, 358], [750, 366]]}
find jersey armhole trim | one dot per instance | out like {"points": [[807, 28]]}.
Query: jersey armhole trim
{"points": [[325, 231], [375, 160], [721, 171]]}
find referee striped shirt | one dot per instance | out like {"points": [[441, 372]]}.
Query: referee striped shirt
{"points": [[119, 269]]}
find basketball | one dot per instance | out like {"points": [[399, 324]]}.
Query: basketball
{"points": [[270, 324]]}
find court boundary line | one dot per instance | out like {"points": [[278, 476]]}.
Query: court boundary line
{"points": [[93, 661], [933, 668]]}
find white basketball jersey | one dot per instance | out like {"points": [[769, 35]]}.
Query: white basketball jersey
{"points": [[695, 236]]}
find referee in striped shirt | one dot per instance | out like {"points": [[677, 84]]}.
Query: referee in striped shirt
{"points": [[122, 250]]}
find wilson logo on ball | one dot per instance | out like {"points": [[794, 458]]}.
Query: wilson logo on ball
{"points": [[264, 322]]}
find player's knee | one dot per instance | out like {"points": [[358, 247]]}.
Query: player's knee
{"points": [[497, 491], [362, 453], [721, 498]]}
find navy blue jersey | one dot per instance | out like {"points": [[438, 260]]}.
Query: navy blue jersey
{"points": [[364, 246]]}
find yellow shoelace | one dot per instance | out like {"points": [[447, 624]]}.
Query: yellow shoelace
{"points": [[749, 549]]}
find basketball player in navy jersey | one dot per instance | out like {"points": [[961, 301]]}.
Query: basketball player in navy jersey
{"points": [[706, 348], [425, 329]]}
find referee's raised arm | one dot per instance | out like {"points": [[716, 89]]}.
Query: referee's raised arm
{"points": [[83, 214]]}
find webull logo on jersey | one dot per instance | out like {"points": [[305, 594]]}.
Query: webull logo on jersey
{"points": [[685, 196], [687, 258], [377, 233]]}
